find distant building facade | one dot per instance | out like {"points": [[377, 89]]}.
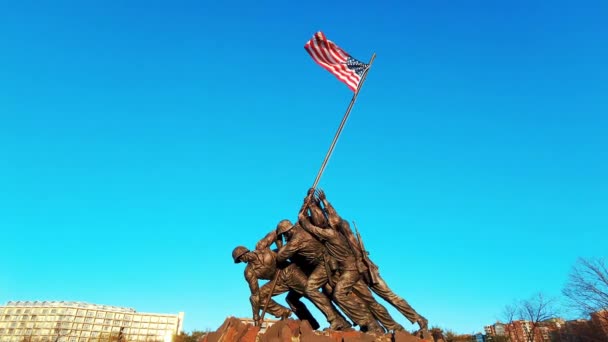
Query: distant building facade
{"points": [[59, 321], [554, 330]]}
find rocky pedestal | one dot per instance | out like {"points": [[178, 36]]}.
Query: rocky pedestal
{"points": [[233, 330]]}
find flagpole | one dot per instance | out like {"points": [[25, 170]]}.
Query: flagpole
{"points": [[350, 107]]}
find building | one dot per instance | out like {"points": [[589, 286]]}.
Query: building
{"points": [[83, 322]]}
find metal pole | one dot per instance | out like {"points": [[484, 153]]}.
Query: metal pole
{"points": [[274, 285], [350, 106]]}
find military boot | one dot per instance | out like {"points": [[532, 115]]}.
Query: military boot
{"points": [[339, 323]]}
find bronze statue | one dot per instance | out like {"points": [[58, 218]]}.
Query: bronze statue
{"points": [[338, 248], [360, 289], [322, 260], [261, 264], [373, 278], [306, 252]]}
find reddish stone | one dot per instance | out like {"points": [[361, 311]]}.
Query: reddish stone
{"points": [[231, 330], [250, 334], [404, 336]]}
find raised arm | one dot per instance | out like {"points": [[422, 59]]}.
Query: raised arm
{"points": [[269, 239], [323, 234], [287, 251], [332, 214]]}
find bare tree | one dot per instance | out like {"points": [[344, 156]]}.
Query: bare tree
{"points": [[531, 313], [587, 287], [536, 310]]}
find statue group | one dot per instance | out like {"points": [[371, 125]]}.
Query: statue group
{"points": [[320, 258]]}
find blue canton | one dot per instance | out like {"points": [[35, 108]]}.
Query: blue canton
{"points": [[356, 66]]}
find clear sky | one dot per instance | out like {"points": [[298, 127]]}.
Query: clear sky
{"points": [[141, 141]]}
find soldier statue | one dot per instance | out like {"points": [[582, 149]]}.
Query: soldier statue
{"points": [[372, 275], [262, 264]]}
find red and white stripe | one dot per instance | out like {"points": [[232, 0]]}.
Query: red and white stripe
{"points": [[331, 57]]}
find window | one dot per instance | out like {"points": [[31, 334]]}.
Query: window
{"points": [[81, 312], [79, 319], [86, 327], [53, 311], [107, 321], [90, 313], [27, 311], [88, 319], [106, 328], [109, 315], [45, 311], [128, 317], [145, 325], [146, 319], [119, 316], [100, 314], [98, 320]]}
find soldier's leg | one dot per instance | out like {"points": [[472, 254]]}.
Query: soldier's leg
{"points": [[352, 307], [296, 281], [327, 291], [273, 308], [317, 279], [300, 309], [378, 310], [384, 292]]}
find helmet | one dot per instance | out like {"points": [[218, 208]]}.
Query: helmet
{"points": [[284, 226], [239, 252]]}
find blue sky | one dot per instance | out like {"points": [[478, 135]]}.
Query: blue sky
{"points": [[141, 141]]}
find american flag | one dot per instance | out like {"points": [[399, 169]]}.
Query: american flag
{"points": [[335, 60]]}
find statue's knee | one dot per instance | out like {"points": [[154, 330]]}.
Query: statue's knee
{"points": [[254, 299], [340, 294], [310, 288]]}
